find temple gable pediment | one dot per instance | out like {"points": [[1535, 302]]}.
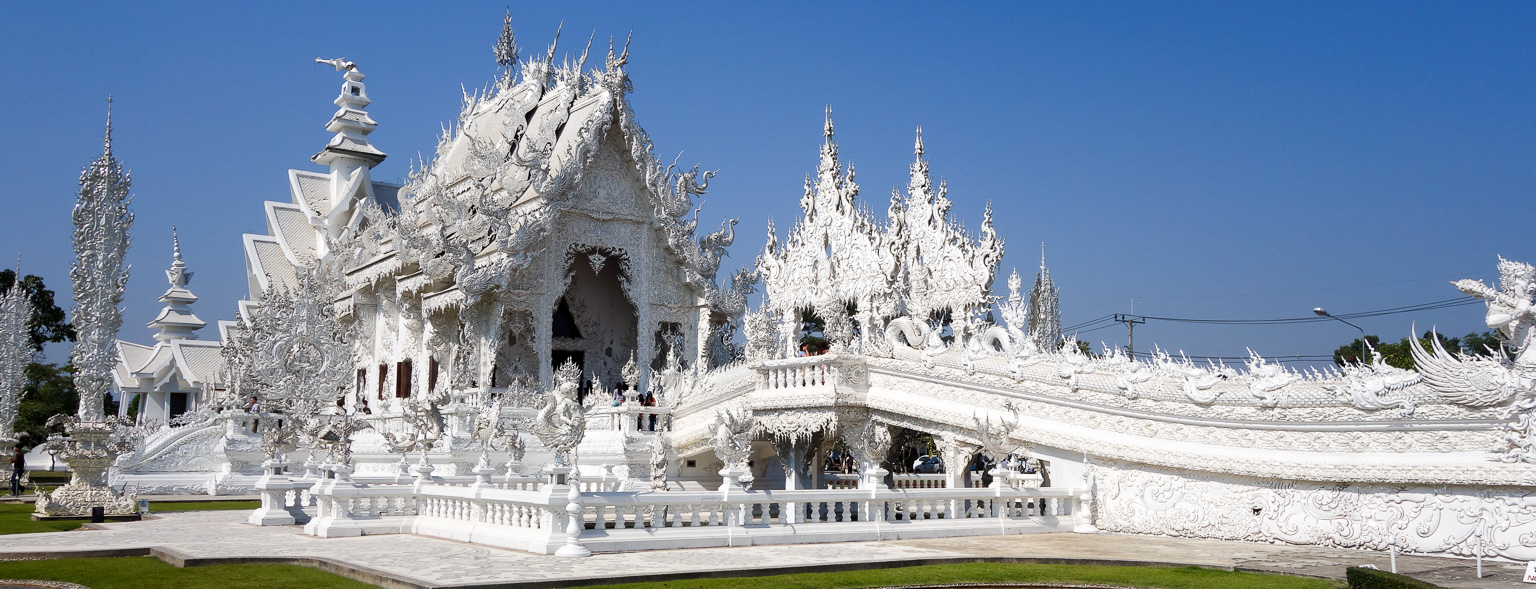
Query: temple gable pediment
{"points": [[610, 188]]}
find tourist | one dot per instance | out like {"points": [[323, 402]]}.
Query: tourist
{"points": [[254, 407], [18, 469], [650, 401], [805, 350]]}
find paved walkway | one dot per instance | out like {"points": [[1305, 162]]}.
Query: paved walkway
{"points": [[414, 561]]}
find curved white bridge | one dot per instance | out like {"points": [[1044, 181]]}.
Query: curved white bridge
{"points": [[1368, 458]]}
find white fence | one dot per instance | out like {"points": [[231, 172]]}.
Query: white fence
{"points": [[835, 480], [536, 520]]}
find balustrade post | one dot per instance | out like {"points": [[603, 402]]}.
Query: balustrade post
{"points": [[575, 522], [274, 487], [1082, 511]]}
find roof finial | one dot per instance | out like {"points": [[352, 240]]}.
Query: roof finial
{"points": [[1042, 256], [617, 62], [506, 46], [582, 61], [175, 245], [917, 148], [340, 63], [827, 131], [550, 56], [108, 141]]}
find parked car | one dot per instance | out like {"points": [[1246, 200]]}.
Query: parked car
{"points": [[928, 464]]}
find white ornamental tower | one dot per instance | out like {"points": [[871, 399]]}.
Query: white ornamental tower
{"points": [[99, 274], [176, 320], [15, 353], [348, 154], [1044, 315]]}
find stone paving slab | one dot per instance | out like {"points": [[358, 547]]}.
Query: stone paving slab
{"points": [[416, 561]]}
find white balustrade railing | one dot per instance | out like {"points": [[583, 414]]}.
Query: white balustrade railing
{"points": [[796, 373], [629, 416], [837, 480], [535, 518]]}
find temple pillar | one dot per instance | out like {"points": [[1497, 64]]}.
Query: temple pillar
{"points": [[797, 461], [701, 335], [957, 458], [820, 445], [862, 316], [645, 344], [789, 330], [543, 327], [489, 340]]}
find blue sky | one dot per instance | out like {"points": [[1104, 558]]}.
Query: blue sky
{"points": [[1212, 160]]}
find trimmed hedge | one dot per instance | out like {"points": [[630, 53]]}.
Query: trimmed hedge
{"points": [[1364, 578]]}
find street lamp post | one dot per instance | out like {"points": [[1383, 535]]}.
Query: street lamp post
{"points": [[1363, 356]]}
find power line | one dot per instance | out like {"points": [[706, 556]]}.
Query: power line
{"points": [[1443, 304], [1291, 358], [1113, 319], [1078, 326]]}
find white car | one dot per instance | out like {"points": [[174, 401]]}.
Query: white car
{"points": [[928, 464]]}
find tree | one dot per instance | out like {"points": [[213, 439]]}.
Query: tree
{"points": [[48, 324], [1354, 352], [1486, 343], [812, 330], [50, 390], [1400, 354]]}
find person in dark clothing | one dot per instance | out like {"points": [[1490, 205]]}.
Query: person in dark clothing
{"points": [[18, 469]]}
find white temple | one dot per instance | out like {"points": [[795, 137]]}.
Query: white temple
{"points": [[543, 261], [164, 381]]}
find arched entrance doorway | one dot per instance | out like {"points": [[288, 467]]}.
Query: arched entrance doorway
{"points": [[594, 322]]}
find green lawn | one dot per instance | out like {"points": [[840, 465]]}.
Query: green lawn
{"points": [[16, 518], [145, 571], [1169, 578]]}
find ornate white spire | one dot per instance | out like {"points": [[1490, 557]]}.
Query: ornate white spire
{"points": [[99, 274], [176, 320], [1044, 314], [351, 123], [15, 353], [505, 50], [107, 140]]}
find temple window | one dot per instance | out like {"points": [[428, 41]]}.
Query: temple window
{"points": [[431, 374], [403, 379]]}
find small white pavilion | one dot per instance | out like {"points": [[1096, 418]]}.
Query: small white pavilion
{"points": [[166, 380]]}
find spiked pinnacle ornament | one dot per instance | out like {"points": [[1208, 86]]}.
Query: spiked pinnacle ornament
{"points": [[1044, 312], [99, 274], [506, 50], [15, 353]]}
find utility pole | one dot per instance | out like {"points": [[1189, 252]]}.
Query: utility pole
{"points": [[1130, 322]]}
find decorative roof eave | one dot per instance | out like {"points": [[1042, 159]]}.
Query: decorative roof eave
{"points": [[383, 266], [437, 302]]}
